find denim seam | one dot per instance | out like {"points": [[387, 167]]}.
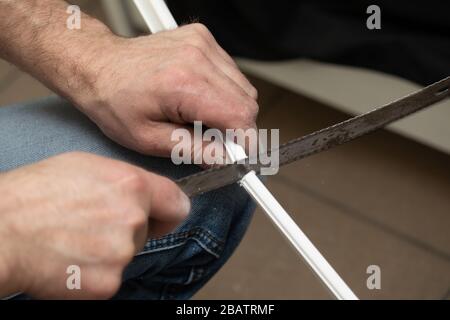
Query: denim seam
{"points": [[147, 251], [203, 237], [195, 274], [181, 236], [191, 276], [201, 244]]}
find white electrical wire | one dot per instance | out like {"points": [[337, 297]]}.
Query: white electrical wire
{"points": [[158, 18]]}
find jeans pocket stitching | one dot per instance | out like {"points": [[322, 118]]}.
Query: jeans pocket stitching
{"points": [[203, 237]]}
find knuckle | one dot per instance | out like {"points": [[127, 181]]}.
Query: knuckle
{"points": [[246, 116], [101, 247], [200, 28], [135, 180], [124, 253], [254, 108], [177, 75], [200, 43], [248, 113], [193, 52], [115, 249], [135, 219], [254, 93], [132, 179], [178, 78]]}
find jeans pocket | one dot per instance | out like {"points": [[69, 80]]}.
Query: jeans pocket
{"points": [[176, 261], [179, 264]]}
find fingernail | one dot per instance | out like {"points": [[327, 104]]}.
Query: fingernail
{"points": [[185, 204]]}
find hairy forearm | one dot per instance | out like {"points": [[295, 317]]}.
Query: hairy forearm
{"points": [[34, 36]]}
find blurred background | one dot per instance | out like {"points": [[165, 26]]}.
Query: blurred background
{"points": [[381, 200]]}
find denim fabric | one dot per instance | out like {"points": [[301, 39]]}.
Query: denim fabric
{"points": [[172, 267]]}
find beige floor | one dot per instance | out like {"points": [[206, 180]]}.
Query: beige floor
{"points": [[382, 200]]}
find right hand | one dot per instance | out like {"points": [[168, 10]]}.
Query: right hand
{"points": [[79, 209], [147, 87]]}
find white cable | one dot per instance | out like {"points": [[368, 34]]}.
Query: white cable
{"points": [[253, 185], [296, 237], [156, 15], [158, 18]]}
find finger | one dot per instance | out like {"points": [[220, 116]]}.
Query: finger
{"points": [[223, 61], [224, 54], [157, 229], [182, 145], [201, 37], [211, 97], [169, 206], [226, 63], [167, 202], [234, 74]]}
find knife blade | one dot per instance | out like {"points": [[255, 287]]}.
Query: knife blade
{"points": [[321, 140]]}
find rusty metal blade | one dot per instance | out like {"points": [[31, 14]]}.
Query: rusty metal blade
{"points": [[212, 179], [360, 125], [322, 140]]}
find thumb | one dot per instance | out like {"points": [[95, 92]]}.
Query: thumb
{"points": [[168, 203], [169, 206]]}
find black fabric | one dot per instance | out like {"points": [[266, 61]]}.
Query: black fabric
{"points": [[414, 41]]}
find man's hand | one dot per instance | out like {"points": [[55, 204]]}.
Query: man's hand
{"points": [[84, 210], [149, 86], [136, 90]]}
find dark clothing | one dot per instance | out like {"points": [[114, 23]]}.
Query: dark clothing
{"points": [[414, 40]]}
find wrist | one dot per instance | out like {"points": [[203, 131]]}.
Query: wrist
{"points": [[38, 41], [75, 73], [84, 65]]}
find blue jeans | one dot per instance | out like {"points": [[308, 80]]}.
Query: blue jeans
{"points": [[172, 267]]}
